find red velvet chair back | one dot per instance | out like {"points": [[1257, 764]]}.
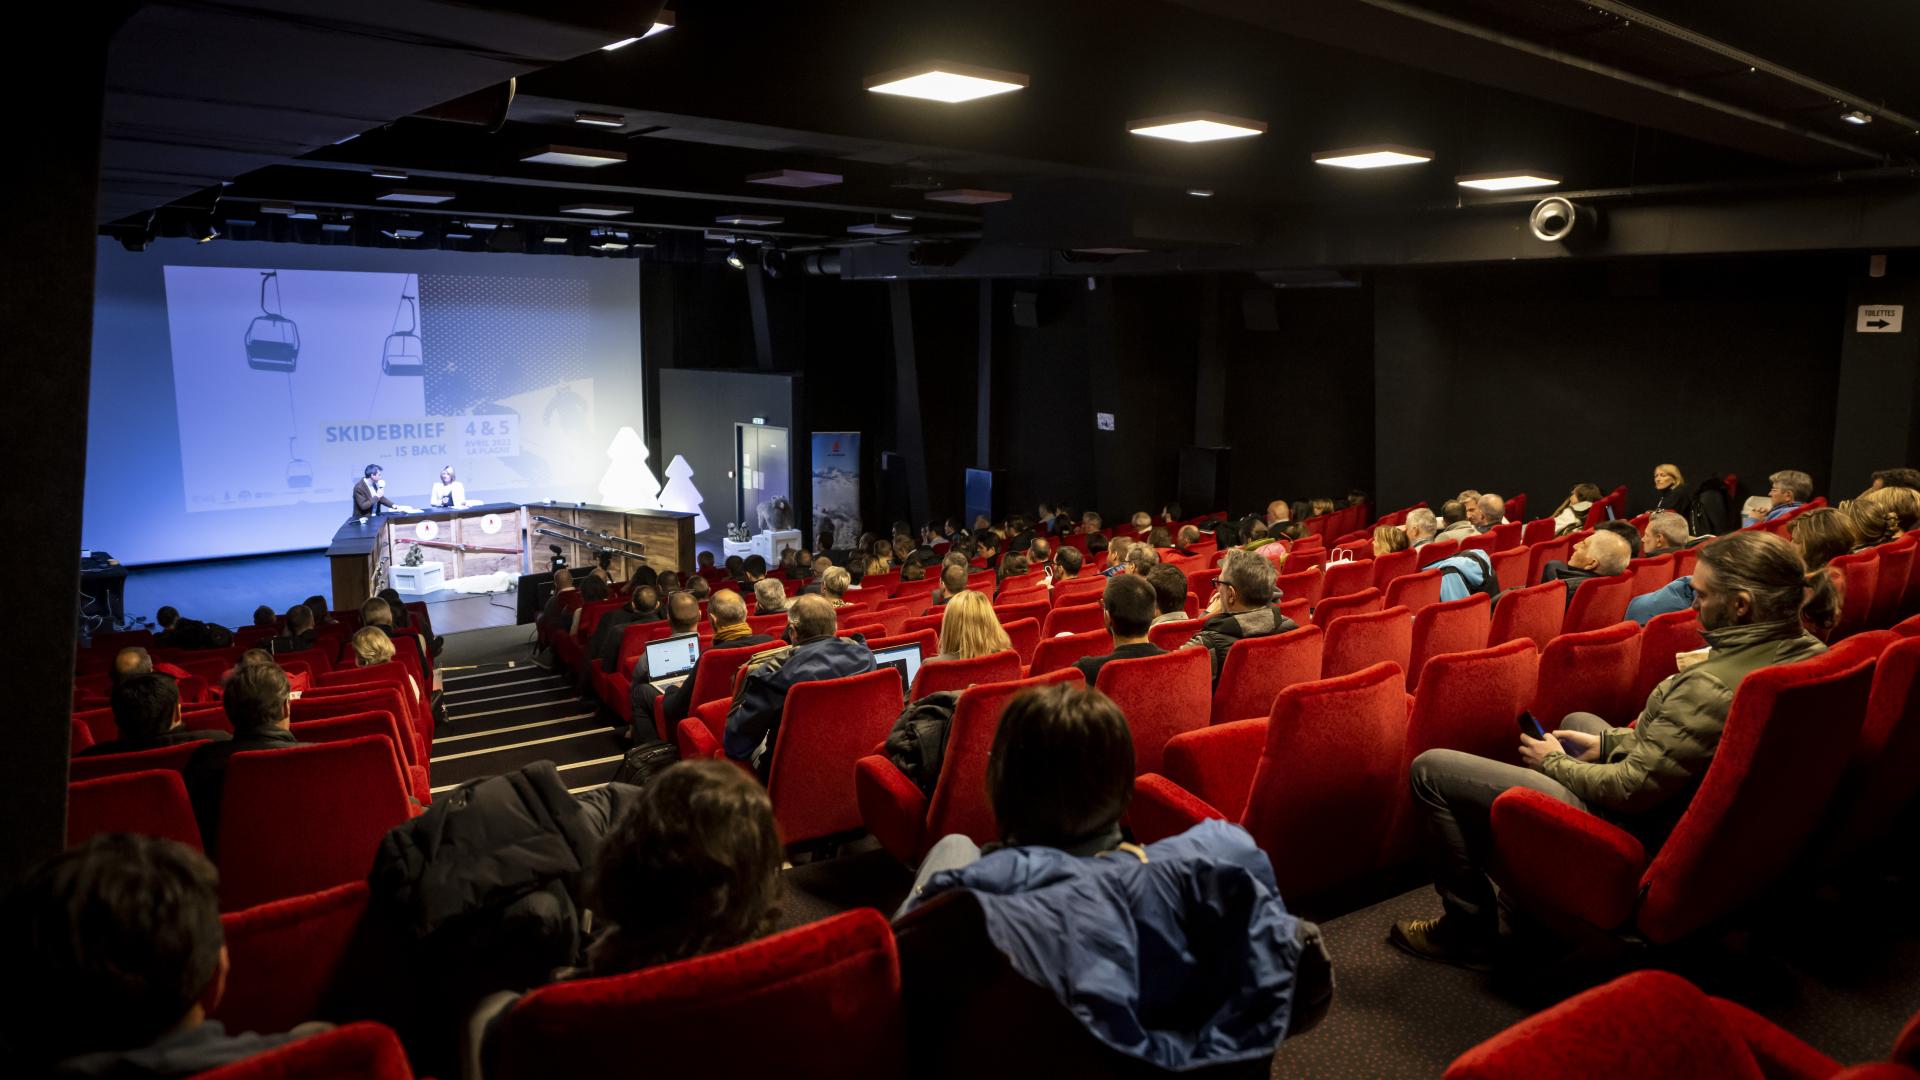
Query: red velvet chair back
{"points": [[1509, 567], [1077, 619], [1255, 669], [1414, 591], [305, 818], [635, 636], [1055, 653], [1008, 613], [99, 723], [824, 998], [1788, 738], [364, 1051], [1079, 591], [360, 698], [925, 622], [1508, 535], [1481, 542], [893, 619], [381, 723], [316, 658], [151, 803], [1650, 574], [1172, 635], [1435, 550], [1535, 613], [1539, 555], [1161, 697], [825, 726], [1024, 635], [1360, 603], [1470, 701], [1591, 672], [713, 676], [1537, 531], [1598, 603], [94, 766], [1890, 583], [928, 641], [1301, 559], [1304, 585], [1346, 578], [1011, 597], [285, 956], [1393, 565], [959, 800], [773, 625], [938, 675], [1357, 642], [1334, 752], [1454, 626], [1884, 775], [78, 737], [1859, 573], [1664, 637]]}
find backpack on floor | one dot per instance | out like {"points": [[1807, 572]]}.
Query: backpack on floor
{"points": [[644, 762]]}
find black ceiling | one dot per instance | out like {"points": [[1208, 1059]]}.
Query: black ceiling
{"points": [[1609, 97]]}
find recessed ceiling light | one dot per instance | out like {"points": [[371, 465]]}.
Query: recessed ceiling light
{"points": [[275, 208], [483, 226], [1512, 180], [1192, 127], [600, 119], [1200, 192], [1855, 116], [389, 176], [609, 245], [1378, 156], [415, 196], [403, 234], [878, 229], [575, 155], [943, 80], [459, 236], [553, 239], [662, 23], [795, 178], [761, 220], [303, 215], [901, 217], [596, 209], [335, 226], [968, 196]]}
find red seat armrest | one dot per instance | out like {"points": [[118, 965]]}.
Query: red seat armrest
{"points": [[695, 741], [892, 807], [1779, 1054], [1162, 808], [1553, 857]]}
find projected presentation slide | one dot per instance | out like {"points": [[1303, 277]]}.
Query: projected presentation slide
{"points": [[288, 383]]}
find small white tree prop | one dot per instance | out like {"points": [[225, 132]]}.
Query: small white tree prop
{"points": [[681, 495], [628, 482]]}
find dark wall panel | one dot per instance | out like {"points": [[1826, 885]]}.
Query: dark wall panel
{"points": [[1043, 403]]}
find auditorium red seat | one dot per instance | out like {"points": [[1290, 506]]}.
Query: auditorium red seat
{"points": [[1558, 549], [93, 766], [1645, 1024], [1077, 619], [893, 619], [151, 803], [317, 659], [928, 642], [363, 1051], [1436, 550], [1859, 573], [713, 679], [1650, 574], [1175, 633], [925, 622], [1884, 775], [1414, 591], [1059, 652], [1598, 602], [1453, 626], [360, 698], [1356, 549], [1467, 701], [1025, 636], [392, 674], [982, 581], [938, 675], [703, 733], [921, 590], [1161, 696], [1535, 613], [78, 737], [906, 822], [1664, 637], [1392, 565], [1331, 750], [1346, 578], [1303, 558], [774, 624], [1255, 669], [1509, 567], [1079, 591], [305, 818], [1788, 737], [1030, 595], [381, 723], [824, 998], [1890, 583], [1507, 535], [862, 597], [1304, 585], [1481, 542], [1683, 561], [285, 956], [865, 631], [884, 582], [1355, 642], [1592, 671], [1360, 603], [1538, 531], [826, 726]]}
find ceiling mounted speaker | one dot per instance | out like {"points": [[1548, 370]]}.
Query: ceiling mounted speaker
{"points": [[1558, 220]]}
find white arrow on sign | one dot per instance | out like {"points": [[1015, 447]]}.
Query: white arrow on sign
{"points": [[1883, 319]]}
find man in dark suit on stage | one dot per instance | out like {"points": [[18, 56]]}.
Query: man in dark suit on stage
{"points": [[370, 493]]}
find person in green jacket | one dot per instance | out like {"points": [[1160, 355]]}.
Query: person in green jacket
{"points": [[1750, 589]]}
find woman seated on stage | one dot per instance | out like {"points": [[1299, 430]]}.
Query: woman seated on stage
{"points": [[448, 491]]}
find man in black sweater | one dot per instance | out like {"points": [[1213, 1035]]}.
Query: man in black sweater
{"points": [[255, 699], [1127, 607]]}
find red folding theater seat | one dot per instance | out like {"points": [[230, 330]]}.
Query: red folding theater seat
{"points": [[1884, 775], [1055, 653], [1360, 603], [1161, 696], [363, 1051], [286, 955], [1663, 639], [826, 726], [1077, 619], [1345, 578], [1355, 642], [1535, 614], [151, 803], [1172, 635], [938, 675], [1454, 626], [1255, 669], [1590, 672], [1598, 602], [824, 1000], [1414, 591]]}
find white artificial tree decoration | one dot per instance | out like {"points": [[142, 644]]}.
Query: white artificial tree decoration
{"points": [[629, 483], [681, 495]]}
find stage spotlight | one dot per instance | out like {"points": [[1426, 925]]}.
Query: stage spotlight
{"points": [[735, 259]]}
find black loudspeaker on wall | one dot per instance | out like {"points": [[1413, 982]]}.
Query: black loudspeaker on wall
{"points": [[1203, 479], [1026, 310]]}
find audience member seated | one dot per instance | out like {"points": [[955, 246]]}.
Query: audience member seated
{"points": [[667, 583], [1169, 594], [683, 618], [322, 616], [135, 660], [1119, 550], [1666, 532], [594, 587], [1751, 588], [953, 582], [1388, 539], [115, 956], [1127, 607], [769, 597], [642, 606], [300, 632], [1158, 537], [824, 548], [1670, 492], [1243, 606], [728, 613], [1187, 541], [1109, 926], [1625, 531], [1882, 514], [381, 614], [372, 647], [1906, 478], [816, 569], [1790, 489], [834, 583], [914, 569], [1487, 511], [1013, 564], [1571, 514], [969, 629], [703, 592], [180, 633], [813, 654], [554, 617], [146, 709], [254, 697], [1603, 554], [1466, 573], [1141, 521], [1142, 558], [1421, 527], [1458, 525], [263, 616]]}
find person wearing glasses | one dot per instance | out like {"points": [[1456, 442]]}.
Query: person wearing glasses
{"points": [[1791, 489]]}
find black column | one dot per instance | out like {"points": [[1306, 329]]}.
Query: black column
{"points": [[906, 386], [983, 409], [757, 306]]}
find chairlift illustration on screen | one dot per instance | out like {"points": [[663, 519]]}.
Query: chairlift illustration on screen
{"points": [[402, 354], [272, 339], [299, 473]]}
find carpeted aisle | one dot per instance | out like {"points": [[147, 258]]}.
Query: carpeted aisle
{"points": [[504, 716]]}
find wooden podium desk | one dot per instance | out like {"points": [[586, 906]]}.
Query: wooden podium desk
{"points": [[493, 537]]}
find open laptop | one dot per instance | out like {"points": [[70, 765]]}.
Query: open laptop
{"points": [[670, 660], [904, 658]]}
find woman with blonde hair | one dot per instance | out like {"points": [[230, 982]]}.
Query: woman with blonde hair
{"points": [[1388, 539], [371, 646], [1670, 491], [970, 629], [1881, 515]]}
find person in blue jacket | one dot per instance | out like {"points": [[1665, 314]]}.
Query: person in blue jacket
{"points": [[1180, 953], [754, 721]]}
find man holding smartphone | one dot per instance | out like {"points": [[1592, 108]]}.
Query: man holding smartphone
{"points": [[1749, 589]]}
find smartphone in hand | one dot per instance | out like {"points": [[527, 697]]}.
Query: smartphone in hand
{"points": [[1530, 726]]}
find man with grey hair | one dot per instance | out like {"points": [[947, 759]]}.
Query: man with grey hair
{"points": [[728, 613], [1791, 489], [1603, 554], [1666, 531], [1421, 527], [834, 584], [769, 596], [1487, 511], [814, 654], [1243, 606]]}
